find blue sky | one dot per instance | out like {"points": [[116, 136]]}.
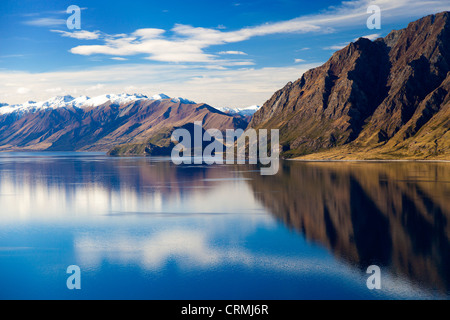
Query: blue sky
{"points": [[225, 53]]}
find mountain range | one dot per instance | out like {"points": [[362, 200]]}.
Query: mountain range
{"points": [[102, 123], [382, 99]]}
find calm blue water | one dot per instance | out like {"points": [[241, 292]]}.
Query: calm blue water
{"points": [[142, 228]]}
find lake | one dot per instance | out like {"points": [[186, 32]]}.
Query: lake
{"points": [[143, 228]]}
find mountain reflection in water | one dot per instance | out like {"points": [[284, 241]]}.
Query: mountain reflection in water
{"points": [[388, 214], [229, 221]]}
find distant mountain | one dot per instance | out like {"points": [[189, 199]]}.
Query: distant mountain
{"points": [[249, 111], [386, 99], [101, 123], [244, 113], [162, 144], [81, 102]]}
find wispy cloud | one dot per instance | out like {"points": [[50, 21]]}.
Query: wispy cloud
{"points": [[13, 56], [80, 35], [23, 90], [185, 43], [193, 67], [342, 45], [371, 37], [233, 53], [54, 90], [214, 85], [96, 87], [336, 47], [45, 22]]}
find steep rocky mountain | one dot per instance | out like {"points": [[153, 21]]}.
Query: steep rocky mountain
{"points": [[101, 123], [389, 98]]}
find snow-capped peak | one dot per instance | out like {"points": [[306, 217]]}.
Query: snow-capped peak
{"points": [[160, 96], [163, 96], [182, 100], [113, 98], [55, 102], [247, 111], [80, 102]]}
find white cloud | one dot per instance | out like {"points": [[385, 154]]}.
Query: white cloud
{"points": [[186, 43], [13, 56], [299, 60], [371, 37], [54, 90], [351, 13], [23, 90], [207, 77], [45, 22], [336, 47], [80, 35], [215, 85], [96, 87], [340, 46], [233, 53]]}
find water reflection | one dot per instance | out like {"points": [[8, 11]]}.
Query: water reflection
{"points": [[230, 222], [33, 187], [389, 214]]}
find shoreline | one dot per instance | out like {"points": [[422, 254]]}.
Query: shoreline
{"points": [[368, 160]]}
